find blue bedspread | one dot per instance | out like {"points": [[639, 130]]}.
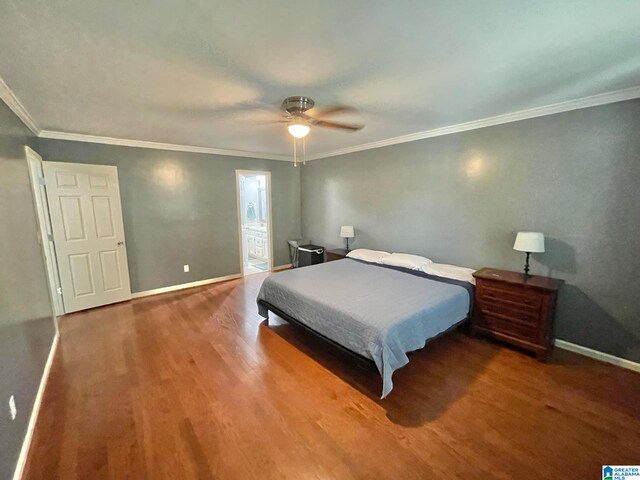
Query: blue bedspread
{"points": [[378, 312]]}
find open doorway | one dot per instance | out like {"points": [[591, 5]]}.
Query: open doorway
{"points": [[254, 221]]}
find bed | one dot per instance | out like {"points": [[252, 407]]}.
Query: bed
{"points": [[378, 312]]}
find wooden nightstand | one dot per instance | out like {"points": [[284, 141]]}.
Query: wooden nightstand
{"points": [[514, 309], [337, 254]]}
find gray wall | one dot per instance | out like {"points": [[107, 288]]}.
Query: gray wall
{"points": [[26, 324], [461, 198], [180, 208]]}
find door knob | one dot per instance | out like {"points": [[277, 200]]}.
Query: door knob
{"points": [[120, 243]]}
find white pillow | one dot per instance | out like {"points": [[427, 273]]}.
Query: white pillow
{"points": [[367, 255], [450, 271], [406, 260]]}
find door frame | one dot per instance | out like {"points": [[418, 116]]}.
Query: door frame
{"points": [[239, 214], [45, 237]]}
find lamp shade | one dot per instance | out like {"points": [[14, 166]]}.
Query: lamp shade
{"points": [[532, 242], [346, 231]]}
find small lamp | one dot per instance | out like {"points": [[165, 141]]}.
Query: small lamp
{"points": [[346, 231], [529, 242]]}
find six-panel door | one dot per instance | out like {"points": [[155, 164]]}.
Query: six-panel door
{"points": [[86, 217]]}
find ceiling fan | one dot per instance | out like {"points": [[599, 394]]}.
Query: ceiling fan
{"points": [[294, 109]]}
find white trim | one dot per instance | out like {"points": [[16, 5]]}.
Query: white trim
{"points": [[281, 267], [8, 97], [24, 451], [173, 288], [239, 216], [124, 142], [41, 210], [604, 357], [586, 102]]}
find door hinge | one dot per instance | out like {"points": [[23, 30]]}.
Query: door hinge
{"points": [[41, 181], [50, 237], [59, 290]]}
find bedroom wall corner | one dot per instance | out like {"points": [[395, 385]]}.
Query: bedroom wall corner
{"points": [[27, 328]]}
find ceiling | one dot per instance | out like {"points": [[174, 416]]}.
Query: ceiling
{"points": [[192, 72]]}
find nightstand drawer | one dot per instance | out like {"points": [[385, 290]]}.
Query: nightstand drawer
{"points": [[506, 327], [507, 294], [513, 313]]}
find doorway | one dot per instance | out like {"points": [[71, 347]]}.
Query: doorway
{"points": [[81, 233], [254, 221]]}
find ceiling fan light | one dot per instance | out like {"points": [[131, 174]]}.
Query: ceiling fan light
{"points": [[298, 130]]}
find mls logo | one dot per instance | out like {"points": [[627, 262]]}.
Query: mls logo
{"points": [[607, 473], [621, 472]]}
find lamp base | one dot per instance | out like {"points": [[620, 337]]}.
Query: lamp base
{"points": [[526, 266]]}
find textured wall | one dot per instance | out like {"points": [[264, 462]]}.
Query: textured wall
{"points": [[26, 325], [180, 208], [461, 198]]}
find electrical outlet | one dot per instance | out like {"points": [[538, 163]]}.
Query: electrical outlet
{"points": [[186, 268], [12, 407]]}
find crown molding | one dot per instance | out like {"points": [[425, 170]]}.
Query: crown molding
{"points": [[124, 142], [8, 97], [586, 102]]}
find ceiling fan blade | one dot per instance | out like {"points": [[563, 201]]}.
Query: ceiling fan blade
{"points": [[343, 126], [218, 110], [268, 122], [332, 110]]}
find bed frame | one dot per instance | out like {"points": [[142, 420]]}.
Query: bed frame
{"points": [[298, 323]]}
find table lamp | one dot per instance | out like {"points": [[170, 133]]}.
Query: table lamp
{"points": [[529, 242], [346, 231]]}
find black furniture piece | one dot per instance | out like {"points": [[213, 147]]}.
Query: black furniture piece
{"points": [[310, 254]]}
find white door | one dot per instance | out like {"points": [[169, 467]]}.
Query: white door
{"points": [[86, 217]]}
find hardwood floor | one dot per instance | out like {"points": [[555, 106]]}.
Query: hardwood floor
{"points": [[194, 384]]}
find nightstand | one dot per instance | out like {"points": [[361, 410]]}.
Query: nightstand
{"points": [[515, 309], [337, 254]]}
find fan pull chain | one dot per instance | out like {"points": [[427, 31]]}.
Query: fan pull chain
{"points": [[295, 158], [304, 150]]}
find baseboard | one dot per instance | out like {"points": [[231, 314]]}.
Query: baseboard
{"points": [[183, 286], [281, 267], [604, 357], [24, 451], [199, 283]]}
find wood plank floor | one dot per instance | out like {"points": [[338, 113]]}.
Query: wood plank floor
{"points": [[195, 385]]}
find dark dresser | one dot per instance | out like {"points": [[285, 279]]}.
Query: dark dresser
{"points": [[337, 254], [515, 309]]}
